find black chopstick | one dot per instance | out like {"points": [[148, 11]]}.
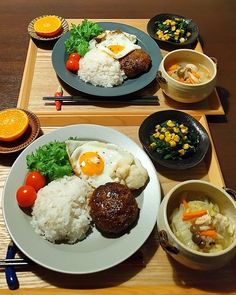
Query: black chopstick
{"points": [[13, 262], [138, 100]]}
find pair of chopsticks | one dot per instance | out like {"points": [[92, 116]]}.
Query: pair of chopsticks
{"points": [[58, 99], [12, 262], [138, 100]]}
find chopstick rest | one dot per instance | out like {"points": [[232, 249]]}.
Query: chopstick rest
{"points": [[58, 93], [10, 273]]}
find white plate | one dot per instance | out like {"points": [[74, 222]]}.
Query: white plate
{"points": [[96, 252]]}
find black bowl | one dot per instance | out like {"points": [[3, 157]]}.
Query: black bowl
{"points": [[192, 27], [148, 126]]}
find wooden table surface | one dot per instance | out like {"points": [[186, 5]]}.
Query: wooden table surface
{"points": [[215, 19]]}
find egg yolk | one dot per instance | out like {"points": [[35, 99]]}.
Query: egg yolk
{"points": [[116, 48], [91, 163]]}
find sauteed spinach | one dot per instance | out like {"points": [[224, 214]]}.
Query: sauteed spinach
{"points": [[173, 140]]}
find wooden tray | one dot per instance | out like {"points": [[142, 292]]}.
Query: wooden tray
{"points": [[39, 79], [149, 270]]}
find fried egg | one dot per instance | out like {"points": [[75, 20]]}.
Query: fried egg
{"points": [[95, 161], [117, 43], [99, 162]]}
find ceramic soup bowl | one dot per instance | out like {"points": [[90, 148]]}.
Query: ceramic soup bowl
{"points": [[187, 92], [194, 189]]}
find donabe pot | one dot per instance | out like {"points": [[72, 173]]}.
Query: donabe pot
{"points": [[182, 92], [174, 247]]}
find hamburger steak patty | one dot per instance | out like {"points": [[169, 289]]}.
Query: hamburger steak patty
{"points": [[135, 63], [113, 208]]}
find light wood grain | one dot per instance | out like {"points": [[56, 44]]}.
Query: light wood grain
{"points": [[39, 79], [138, 290], [147, 270]]}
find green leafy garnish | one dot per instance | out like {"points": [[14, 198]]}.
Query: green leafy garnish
{"points": [[51, 160], [80, 35]]}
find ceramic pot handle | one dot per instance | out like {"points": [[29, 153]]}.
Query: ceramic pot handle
{"points": [[214, 59], [231, 192], [165, 244], [160, 79]]}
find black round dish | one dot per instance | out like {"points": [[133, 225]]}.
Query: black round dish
{"points": [[148, 126], [192, 27]]}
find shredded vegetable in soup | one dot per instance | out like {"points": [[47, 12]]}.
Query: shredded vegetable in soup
{"points": [[201, 226], [189, 73]]}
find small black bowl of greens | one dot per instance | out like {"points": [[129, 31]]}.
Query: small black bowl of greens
{"points": [[174, 139], [173, 31]]}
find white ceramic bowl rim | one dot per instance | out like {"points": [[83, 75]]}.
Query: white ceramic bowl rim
{"points": [[195, 52], [177, 241]]}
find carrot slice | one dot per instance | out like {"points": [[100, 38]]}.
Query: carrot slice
{"points": [[194, 214], [209, 233], [173, 67]]}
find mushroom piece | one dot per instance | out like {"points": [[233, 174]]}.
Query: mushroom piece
{"points": [[191, 67]]}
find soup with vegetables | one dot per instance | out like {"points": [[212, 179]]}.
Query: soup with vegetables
{"points": [[201, 226], [189, 73]]}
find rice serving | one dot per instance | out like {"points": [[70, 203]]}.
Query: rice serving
{"points": [[100, 69], [61, 211]]}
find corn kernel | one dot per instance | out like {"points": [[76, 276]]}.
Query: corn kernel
{"points": [[170, 123], [186, 146], [172, 143], [181, 152], [184, 130], [176, 138], [157, 127], [157, 134], [167, 138], [153, 145], [167, 133]]}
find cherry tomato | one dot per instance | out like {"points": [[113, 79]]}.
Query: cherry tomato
{"points": [[74, 55], [26, 196], [72, 65], [35, 179]]}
